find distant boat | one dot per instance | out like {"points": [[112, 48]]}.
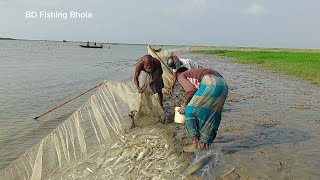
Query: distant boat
{"points": [[64, 41], [86, 46]]}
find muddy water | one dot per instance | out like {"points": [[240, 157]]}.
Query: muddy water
{"points": [[270, 126]]}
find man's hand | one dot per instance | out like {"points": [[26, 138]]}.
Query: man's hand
{"points": [[151, 83], [139, 90], [182, 109]]}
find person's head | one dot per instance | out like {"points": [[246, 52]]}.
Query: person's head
{"points": [[148, 63], [173, 61], [181, 70]]}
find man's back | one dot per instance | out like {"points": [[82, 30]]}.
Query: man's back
{"points": [[187, 63], [193, 64]]}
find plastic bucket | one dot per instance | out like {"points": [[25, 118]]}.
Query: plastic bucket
{"points": [[179, 118]]}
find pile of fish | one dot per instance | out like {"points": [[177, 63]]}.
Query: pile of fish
{"points": [[140, 154], [144, 153]]}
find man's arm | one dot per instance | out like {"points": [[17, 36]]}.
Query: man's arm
{"points": [[136, 75], [173, 82]]}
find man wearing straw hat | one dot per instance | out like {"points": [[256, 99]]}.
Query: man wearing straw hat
{"points": [[151, 66], [175, 63]]}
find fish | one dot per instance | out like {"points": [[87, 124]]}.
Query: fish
{"points": [[166, 146], [106, 162], [141, 164], [141, 154], [146, 174], [197, 165], [139, 167], [130, 169], [115, 145], [226, 174], [121, 158], [110, 171], [88, 169], [148, 166], [118, 152], [152, 137]]}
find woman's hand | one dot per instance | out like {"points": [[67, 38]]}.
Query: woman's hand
{"points": [[182, 109]]}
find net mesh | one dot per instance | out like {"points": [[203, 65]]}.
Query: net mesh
{"points": [[98, 122]]}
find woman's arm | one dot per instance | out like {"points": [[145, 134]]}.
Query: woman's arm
{"points": [[188, 87]]}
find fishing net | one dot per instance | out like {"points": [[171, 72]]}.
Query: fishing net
{"points": [[101, 120]]}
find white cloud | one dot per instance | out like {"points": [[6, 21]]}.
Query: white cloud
{"points": [[255, 9]]}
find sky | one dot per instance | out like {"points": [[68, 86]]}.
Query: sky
{"points": [[248, 23]]}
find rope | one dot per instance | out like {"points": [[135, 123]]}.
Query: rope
{"points": [[68, 101]]}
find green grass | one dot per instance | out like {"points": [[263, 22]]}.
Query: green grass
{"points": [[299, 64]]}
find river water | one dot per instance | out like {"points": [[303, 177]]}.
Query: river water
{"points": [[36, 76]]}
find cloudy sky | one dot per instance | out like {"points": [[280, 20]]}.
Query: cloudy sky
{"points": [[261, 23]]}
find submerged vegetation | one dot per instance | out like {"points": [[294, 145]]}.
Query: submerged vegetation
{"points": [[299, 64]]}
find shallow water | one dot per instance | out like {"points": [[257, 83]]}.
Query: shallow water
{"points": [[36, 76], [269, 128]]}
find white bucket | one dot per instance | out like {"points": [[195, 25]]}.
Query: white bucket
{"points": [[179, 118]]}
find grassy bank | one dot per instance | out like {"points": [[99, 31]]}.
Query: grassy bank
{"points": [[299, 64]]}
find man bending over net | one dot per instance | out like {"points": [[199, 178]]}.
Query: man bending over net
{"points": [[152, 67]]}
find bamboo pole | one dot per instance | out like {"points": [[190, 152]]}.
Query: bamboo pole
{"points": [[68, 101]]}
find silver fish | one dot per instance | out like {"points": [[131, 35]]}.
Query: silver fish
{"points": [[197, 165]]}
